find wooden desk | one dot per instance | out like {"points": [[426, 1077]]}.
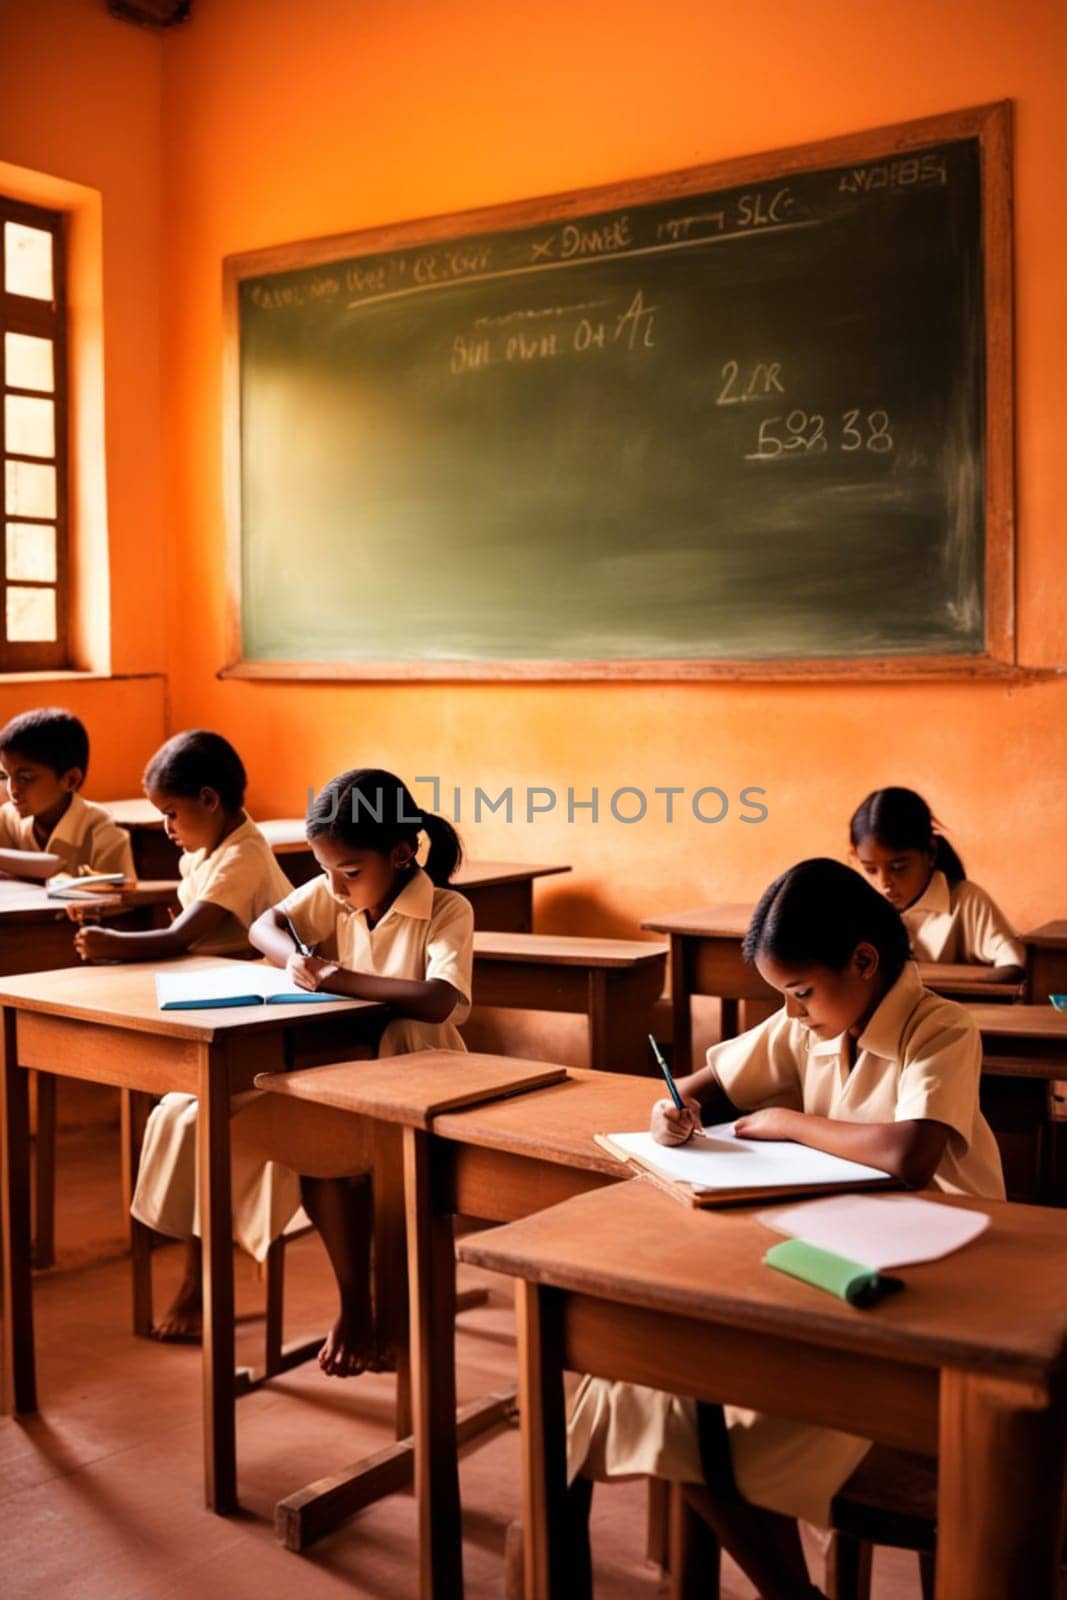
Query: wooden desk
{"points": [[628, 1284], [501, 892], [706, 959], [1024, 1095], [36, 935], [613, 982], [1046, 961], [495, 1161], [103, 1024]]}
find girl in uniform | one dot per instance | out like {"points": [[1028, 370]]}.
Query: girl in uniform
{"points": [[378, 926], [229, 875], [896, 842], [863, 1062]]}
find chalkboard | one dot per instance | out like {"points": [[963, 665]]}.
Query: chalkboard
{"points": [[743, 418]]}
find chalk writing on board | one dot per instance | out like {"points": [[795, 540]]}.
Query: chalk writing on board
{"points": [[631, 328], [803, 433], [908, 172], [764, 378]]}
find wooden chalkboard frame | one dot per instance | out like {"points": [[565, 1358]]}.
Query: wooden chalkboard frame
{"points": [[990, 124]]}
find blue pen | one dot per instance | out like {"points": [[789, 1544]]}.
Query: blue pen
{"points": [[666, 1071]]}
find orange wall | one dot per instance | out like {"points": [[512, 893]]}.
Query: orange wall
{"points": [[80, 101], [282, 122]]}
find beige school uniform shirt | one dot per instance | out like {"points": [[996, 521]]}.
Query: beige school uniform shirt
{"points": [[918, 1058], [426, 933], [84, 836], [242, 876], [958, 923]]}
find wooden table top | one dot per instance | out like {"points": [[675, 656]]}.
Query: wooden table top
{"points": [[1021, 1022], [565, 951], [412, 1089], [558, 1124], [30, 902], [1053, 934], [124, 995], [997, 1306], [727, 920]]}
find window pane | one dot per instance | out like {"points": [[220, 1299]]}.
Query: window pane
{"points": [[31, 615], [30, 424], [28, 362], [31, 552], [30, 490], [27, 261]]}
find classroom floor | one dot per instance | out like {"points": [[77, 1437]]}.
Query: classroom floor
{"points": [[100, 1493]]}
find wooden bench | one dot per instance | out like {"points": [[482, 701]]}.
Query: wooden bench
{"points": [[613, 982]]}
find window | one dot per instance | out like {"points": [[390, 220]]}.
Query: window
{"points": [[33, 439]]}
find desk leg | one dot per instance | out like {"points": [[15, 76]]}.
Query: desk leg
{"points": [[44, 1173], [681, 1006], [432, 1291], [135, 1108], [620, 1015], [539, 1321], [20, 1383], [1002, 1454], [216, 1227]]}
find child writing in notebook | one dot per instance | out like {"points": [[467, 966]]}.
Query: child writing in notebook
{"points": [[45, 825], [897, 843], [229, 875], [374, 926], [862, 1062]]}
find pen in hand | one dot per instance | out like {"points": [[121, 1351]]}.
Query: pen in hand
{"points": [[302, 948], [680, 1104], [666, 1071]]}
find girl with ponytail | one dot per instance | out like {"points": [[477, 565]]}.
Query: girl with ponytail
{"points": [[375, 926], [897, 842]]}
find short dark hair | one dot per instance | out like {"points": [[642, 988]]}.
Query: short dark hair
{"points": [[818, 912], [52, 736], [195, 760], [370, 809], [900, 819]]}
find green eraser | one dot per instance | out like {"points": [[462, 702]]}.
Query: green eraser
{"points": [[849, 1280]]}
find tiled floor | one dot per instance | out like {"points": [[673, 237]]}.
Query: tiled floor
{"points": [[100, 1494]]}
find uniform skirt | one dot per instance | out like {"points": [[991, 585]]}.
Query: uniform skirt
{"points": [[266, 1195], [621, 1430]]}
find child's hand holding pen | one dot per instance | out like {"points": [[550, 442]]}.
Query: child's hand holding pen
{"points": [[671, 1126], [305, 969], [677, 1119]]}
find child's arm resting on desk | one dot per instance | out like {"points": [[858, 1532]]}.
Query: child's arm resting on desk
{"points": [[197, 922], [910, 1151], [423, 999], [33, 864]]}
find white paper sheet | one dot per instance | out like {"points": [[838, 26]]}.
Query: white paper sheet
{"points": [[889, 1230], [212, 987], [717, 1159]]}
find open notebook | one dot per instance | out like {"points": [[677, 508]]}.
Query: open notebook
{"points": [[240, 984], [716, 1167]]}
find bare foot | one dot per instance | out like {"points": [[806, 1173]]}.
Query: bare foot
{"points": [[183, 1320], [349, 1348]]}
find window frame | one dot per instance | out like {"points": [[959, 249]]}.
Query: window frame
{"points": [[41, 319]]}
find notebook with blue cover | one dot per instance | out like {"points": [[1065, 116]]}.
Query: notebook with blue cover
{"points": [[241, 983]]}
